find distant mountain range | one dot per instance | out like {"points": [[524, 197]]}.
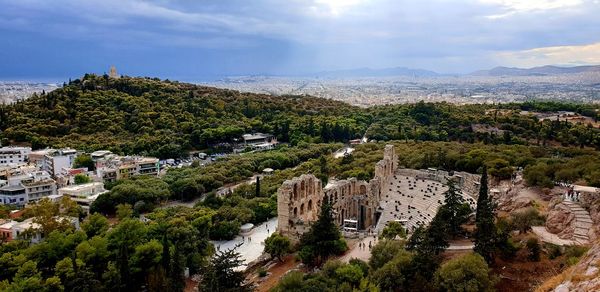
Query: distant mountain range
{"points": [[536, 71], [498, 71]]}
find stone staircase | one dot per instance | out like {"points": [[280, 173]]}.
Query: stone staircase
{"points": [[583, 222]]}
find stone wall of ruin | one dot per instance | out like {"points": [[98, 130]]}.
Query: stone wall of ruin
{"points": [[346, 196], [298, 203]]}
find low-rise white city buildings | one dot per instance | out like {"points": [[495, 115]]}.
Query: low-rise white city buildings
{"points": [[53, 160], [11, 230], [14, 155], [27, 187], [83, 194], [112, 167]]}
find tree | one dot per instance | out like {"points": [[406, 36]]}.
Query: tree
{"points": [[51, 216], [277, 245], [221, 273], [349, 274], [257, 192], [124, 211], [456, 209], [533, 249], [383, 252], [392, 230], [466, 273], [145, 264], [84, 161], [500, 168], [393, 276], [82, 179], [485, 234], [95, 224], [523, 220], [537, 175], [122, 241], [436, 235], [322, 240]]}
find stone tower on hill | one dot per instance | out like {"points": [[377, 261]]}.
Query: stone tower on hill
{"points": [[113, 72]]}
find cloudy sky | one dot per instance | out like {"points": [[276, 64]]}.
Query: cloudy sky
{"points": [[201, 39]]}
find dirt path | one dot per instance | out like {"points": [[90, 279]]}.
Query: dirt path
{"points": [[275, 273]]}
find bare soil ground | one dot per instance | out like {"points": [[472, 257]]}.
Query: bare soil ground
{"points": [[522, 274], [274, 274]]}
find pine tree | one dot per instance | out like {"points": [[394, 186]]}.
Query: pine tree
{"points": [[457, 211], [221, 273], [257, 187], [322, 240], [485, 234]]}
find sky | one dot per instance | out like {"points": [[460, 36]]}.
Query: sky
{"points": [[202, 40]]}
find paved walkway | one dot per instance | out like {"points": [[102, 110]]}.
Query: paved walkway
{"points": [[357, 252], [253, 245], [548, 237], [460, 246]]}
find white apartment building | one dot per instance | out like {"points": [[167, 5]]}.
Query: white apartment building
{"points": [[14, 155], [83, 194], [28, 187], [53, 160]]}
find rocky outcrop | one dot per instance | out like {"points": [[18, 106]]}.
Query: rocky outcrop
{"points": [[584, 276], [560, 221]]}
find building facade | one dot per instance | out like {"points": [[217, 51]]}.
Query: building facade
{"points": [[113, 167], [83, 194], [354, 202], [28, 187], [14, 155]]}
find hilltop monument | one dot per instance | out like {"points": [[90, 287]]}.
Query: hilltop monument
{"points": [[113, 72]]}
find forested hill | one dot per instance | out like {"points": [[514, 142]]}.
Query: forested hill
{"points": [[164, 118]]}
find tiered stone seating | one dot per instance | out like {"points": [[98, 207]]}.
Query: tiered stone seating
{"points": [[412, 200]]}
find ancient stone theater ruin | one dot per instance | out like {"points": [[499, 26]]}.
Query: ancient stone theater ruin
{"points": [[404, 195], [299, 199]]}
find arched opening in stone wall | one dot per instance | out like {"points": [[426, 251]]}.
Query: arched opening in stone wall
{"points": [[295, 192], [295, 211], [363, 190], [309, 207], [302, 190], [302, 209]]}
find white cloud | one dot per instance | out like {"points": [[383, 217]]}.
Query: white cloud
{"points": [[511, 7], [558, 55], [334, 7]]}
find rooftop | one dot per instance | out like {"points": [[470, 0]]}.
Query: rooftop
{"points": [[100, 153], [81, 187], [12, 188], [255, 136]]}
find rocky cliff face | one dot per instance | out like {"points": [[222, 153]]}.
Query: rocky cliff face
{"points": [[560, 220], [584, 276]]}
